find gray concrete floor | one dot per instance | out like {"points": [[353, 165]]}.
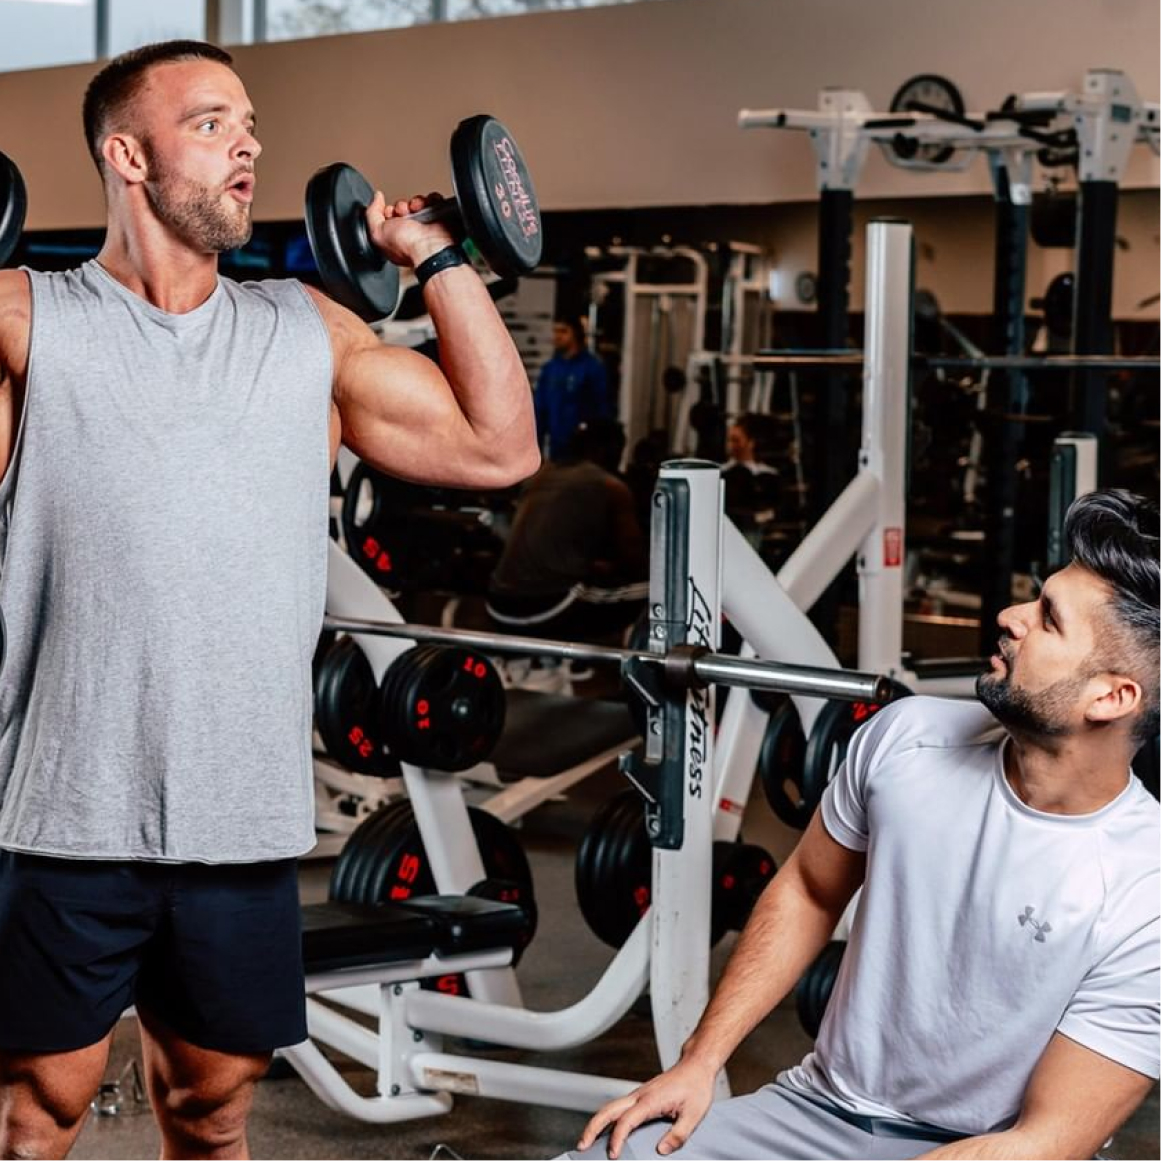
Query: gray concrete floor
{"points": [[562, 964]]}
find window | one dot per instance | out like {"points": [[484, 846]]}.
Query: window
{"points": [[135, 22], [37, 33], [288, 19]]}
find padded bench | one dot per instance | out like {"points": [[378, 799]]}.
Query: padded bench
{"points": [[348, 935]]}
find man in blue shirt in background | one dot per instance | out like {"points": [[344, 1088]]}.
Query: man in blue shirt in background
{"points": [[572, 388]]}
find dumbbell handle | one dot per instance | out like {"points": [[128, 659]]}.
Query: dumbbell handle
{"points": [[442, 211]]}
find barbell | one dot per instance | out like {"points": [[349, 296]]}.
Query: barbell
{"points": [[826, 359], [494, 204], [682, 667]]}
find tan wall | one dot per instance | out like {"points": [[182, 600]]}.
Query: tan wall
{"points": [[629, 105]]}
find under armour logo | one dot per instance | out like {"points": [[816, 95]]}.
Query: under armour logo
{"points": [[1042, 929]]}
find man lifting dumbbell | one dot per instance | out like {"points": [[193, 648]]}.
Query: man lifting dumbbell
{"points": [[999, 993], [158, 424]]}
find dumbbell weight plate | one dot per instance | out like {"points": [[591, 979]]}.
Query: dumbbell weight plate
{"points": [[354, 271], [493, 189], [13, 207]]}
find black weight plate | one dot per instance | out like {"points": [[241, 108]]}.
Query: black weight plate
{"points": [[348, 868], [614, 860], [376, 523], [325, 640], [346, 709], [813, 992], [595, 897], [494, 192], [384, 858], [355, 273], [829, 737], [326, 703], [739, 879], [501, 851], [443, 708], [373, 853], [363, 849], [725, 887], [614, 873], [400, 868], [13, 207], [519, 895], [780, 763]]}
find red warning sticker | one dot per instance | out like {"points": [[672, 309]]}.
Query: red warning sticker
{"points": [[892, 547]]}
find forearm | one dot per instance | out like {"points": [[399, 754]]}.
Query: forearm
{"points": [[1011, 1144], [481, 363], [786, 930]]}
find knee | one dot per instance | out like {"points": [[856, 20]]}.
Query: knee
{"points": [[36, 1119], [207, 1119]]}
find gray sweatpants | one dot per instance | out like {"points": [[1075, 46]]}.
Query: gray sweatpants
{"points": [[777, 1122]]}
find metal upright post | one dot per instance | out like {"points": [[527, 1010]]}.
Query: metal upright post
{"points": [[1107, 120], [1007, 389], [685, 610], [886, 426], [835, 223]]}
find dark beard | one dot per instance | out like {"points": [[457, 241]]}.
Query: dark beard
{"points": [[193, 212], [1037, 715]]}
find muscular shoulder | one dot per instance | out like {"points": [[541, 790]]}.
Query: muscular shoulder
{"points": [[344, 325], [15, 320]]}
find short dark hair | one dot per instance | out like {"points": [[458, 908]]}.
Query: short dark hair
{"points": [[574, 322], [1114, 535], [112, 90]]}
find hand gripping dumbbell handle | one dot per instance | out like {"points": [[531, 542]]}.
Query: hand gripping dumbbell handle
{"points": [[447, 210]]}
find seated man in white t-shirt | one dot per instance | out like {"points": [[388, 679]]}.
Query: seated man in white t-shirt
{"points": [[999, 994]]}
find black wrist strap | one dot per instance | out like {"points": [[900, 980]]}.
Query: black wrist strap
{"points": [[444, 259]]}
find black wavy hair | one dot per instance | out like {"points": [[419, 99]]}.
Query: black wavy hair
{"points": [[1114, 534], [111, 91]]}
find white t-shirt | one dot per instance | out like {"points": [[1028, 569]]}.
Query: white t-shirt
{"points": [[984, 926]]}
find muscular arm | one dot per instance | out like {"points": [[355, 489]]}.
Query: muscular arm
{"points": [[790, 924], [15, 316], [1075, 1100], [469, 421]]}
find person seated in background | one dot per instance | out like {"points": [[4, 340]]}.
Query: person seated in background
{"points": [[572, 388], [998, 996], [576, 562]]}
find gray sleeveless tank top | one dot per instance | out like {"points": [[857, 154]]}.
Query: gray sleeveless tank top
{"points": [[163, 532]]}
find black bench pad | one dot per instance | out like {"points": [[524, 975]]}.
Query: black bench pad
{"points": [[346, 935]]}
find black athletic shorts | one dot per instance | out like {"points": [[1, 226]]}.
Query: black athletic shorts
{"points": [[214, 952]]}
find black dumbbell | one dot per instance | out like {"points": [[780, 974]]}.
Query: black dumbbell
{"points": [[494, 205], [13, 205]]}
